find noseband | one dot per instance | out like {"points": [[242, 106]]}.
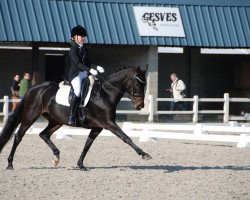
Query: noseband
{"points": [[134, 94]]}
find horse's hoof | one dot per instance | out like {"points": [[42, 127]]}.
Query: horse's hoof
{"points": [[146, 157], [83, 169], [55, 160], [10, 168]]}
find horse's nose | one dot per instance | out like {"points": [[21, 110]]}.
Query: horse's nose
{"points": [[138, 103], [139, 106]]}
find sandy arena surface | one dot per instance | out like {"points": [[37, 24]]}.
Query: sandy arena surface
{"points": [[178, 170]]}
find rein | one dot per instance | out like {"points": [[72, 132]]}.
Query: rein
{"points": [[114, 87], [133, 89]]}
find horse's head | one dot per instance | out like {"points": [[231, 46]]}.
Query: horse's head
{"points": [[135, 87]]}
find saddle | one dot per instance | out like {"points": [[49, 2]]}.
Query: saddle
{"points": [[65, 92]]}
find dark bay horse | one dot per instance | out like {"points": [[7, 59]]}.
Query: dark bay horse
{"points": [[100, 112]]}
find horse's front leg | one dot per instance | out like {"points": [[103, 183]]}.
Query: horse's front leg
{"points": [[114, 128], [92, 136]]}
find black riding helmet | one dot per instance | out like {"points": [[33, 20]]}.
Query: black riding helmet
{"points": [[78, 30]]}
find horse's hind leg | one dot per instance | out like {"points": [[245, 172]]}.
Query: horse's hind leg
{"points": [[92, 136], [25, 125], [46, 134]]}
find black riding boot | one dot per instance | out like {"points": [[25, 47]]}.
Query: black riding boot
{"points": [[73, 107], [84, 91]]}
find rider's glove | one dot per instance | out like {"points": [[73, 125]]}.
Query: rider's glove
{"points": [[100, 69], [93, 72]]}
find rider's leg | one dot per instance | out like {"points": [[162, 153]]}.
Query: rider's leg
{"points": [[76, 84], [73, 107], [83, 90]]}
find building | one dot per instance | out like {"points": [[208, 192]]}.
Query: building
{"points": [[34, 37]]}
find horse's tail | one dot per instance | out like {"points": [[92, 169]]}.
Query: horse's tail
{"points": [[9, 128]]}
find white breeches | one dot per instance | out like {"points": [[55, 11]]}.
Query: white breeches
{"points": [[77, 81]]}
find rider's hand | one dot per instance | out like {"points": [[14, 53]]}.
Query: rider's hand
{"points": [[93, 72], [100, 69]]}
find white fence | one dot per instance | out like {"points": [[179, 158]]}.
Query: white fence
{"points": [[229, 133], [195, 111], [195, 108], [152, 111], [220, 133]]}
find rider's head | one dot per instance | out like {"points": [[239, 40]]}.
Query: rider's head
{"points": [[78, 34]]}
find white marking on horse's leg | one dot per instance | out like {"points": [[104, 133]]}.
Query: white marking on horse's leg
{"points": [[55, 160]]}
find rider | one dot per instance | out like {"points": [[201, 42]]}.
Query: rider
{"points": [[80, 67]]}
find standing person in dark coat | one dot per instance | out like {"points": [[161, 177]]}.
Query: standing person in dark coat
{"points": [[15, 91], [24, 84], [80, 67]]}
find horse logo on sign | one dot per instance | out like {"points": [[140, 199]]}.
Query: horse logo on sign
{"points": [[151, 22]]}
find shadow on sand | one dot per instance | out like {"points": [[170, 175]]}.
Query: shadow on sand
{"points": [[165, 168], [176, 168]]}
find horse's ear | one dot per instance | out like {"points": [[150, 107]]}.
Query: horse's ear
{"points": [[146, 68]]}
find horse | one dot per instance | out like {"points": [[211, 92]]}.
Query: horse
{"points": [[100, 112]]}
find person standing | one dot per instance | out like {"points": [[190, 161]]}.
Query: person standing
{"points": [[24, 85], [15, 91], [177, 90]]}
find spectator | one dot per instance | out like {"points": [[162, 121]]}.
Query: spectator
{"points": [[15, 91], [24, 85], [177, 90]]}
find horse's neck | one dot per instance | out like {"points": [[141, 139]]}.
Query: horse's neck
{"points": [[118, 79], [115, 87], [118, 85]]}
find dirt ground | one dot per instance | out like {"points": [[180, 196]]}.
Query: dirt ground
{"points": [[177, 171]]}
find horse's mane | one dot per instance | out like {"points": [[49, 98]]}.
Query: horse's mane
{"points": [[119, 70]]}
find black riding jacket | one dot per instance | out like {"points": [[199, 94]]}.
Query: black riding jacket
{"points": [[79, 60]]}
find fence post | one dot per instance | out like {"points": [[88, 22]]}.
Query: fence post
{"points": [[151, 108], [226, 108], [195, 108], [5, 108]]}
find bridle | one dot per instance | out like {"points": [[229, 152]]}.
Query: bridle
{"points": [[134, 94]]}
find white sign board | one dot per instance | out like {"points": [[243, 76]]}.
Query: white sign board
{"points": [[159, 21]]}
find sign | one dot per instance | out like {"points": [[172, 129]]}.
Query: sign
{"points": [[159, 21]]}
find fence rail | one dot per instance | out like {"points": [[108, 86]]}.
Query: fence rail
{"points": [[152, 110], [195, 132], [195, 109]]}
